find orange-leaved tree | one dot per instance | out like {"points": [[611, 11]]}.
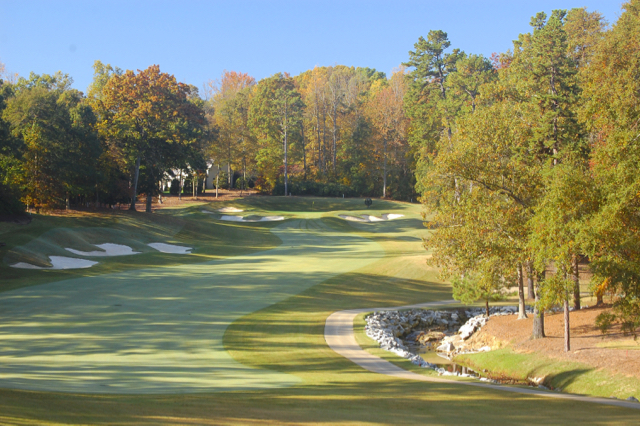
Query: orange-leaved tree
{"points": [[149, 118]]}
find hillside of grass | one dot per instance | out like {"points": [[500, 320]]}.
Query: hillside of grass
{"points": [[571, 377], [288, 337]]}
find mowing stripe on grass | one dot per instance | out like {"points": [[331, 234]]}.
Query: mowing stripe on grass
{"points": [[160, 330]]}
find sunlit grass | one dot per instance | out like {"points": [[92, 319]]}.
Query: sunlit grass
{"points": [[288, 337], [572, 377], [50, 235]]}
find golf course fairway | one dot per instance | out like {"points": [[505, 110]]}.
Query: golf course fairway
{"points": [[235, 332], [160, 330]]}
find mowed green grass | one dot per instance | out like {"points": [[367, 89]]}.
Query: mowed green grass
{"points": [[160, 330], [287, 337], [572, 377], [50, 235]]}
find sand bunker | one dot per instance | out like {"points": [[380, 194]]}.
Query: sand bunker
{"points": [[170, 248], [242, 219], [58, 262], [368, 218], [231, 218], [108, 249]]}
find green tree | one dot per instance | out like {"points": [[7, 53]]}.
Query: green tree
{"points": [[427, 100], [611, 112], [484, 191], [59, 144], [275, 113], [10, 155], [230, 104], [548, 78]]}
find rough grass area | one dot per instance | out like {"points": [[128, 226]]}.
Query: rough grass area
{"points": [[572, 377]]}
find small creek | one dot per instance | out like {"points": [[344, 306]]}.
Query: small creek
{"points": [[416, 334], [445, 366]]}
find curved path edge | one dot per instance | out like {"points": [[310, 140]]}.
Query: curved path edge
{"points": [[339, 335]]}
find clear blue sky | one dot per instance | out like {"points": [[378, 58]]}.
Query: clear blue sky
{"points": [[197, 40]]}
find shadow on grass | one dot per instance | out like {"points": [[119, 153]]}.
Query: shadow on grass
{"points": [[361, 398], [568, 377]]}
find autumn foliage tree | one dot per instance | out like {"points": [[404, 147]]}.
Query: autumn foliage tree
{"points": [[386, 112], [146, 113], [230, 102], [611, 112]]}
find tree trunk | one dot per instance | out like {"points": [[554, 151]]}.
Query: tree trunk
{"points": [[180, 187], [150, 193], [335, 129], [324, 137], [384, 171], [567, 336], [304, 152], [217, 181], [522, 313], [486, 306], [67, 202], [318, 135], [244, 173], [530, 290], [538, 315], [286, 176], [134, 191], [148, 205], [576, 283]]}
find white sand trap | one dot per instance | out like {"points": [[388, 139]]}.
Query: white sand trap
{"points": [[368, 218], [170, 248], [242, 219], [230, 210], [352, 218], [59, 262], [391, 216], [232, 218], [108, 249]]}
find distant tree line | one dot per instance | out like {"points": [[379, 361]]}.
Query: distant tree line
{"points": [[330, 131]]}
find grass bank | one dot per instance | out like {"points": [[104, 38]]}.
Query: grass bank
{"points": [[571, 377], [50, 235]]}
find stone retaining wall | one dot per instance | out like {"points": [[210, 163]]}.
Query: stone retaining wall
{"points": [[386, 327]]}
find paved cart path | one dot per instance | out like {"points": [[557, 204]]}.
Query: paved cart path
{"points": [[160, 330], [339, 335]]}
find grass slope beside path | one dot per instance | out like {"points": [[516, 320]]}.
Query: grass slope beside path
{"points": [[160, 330]]}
